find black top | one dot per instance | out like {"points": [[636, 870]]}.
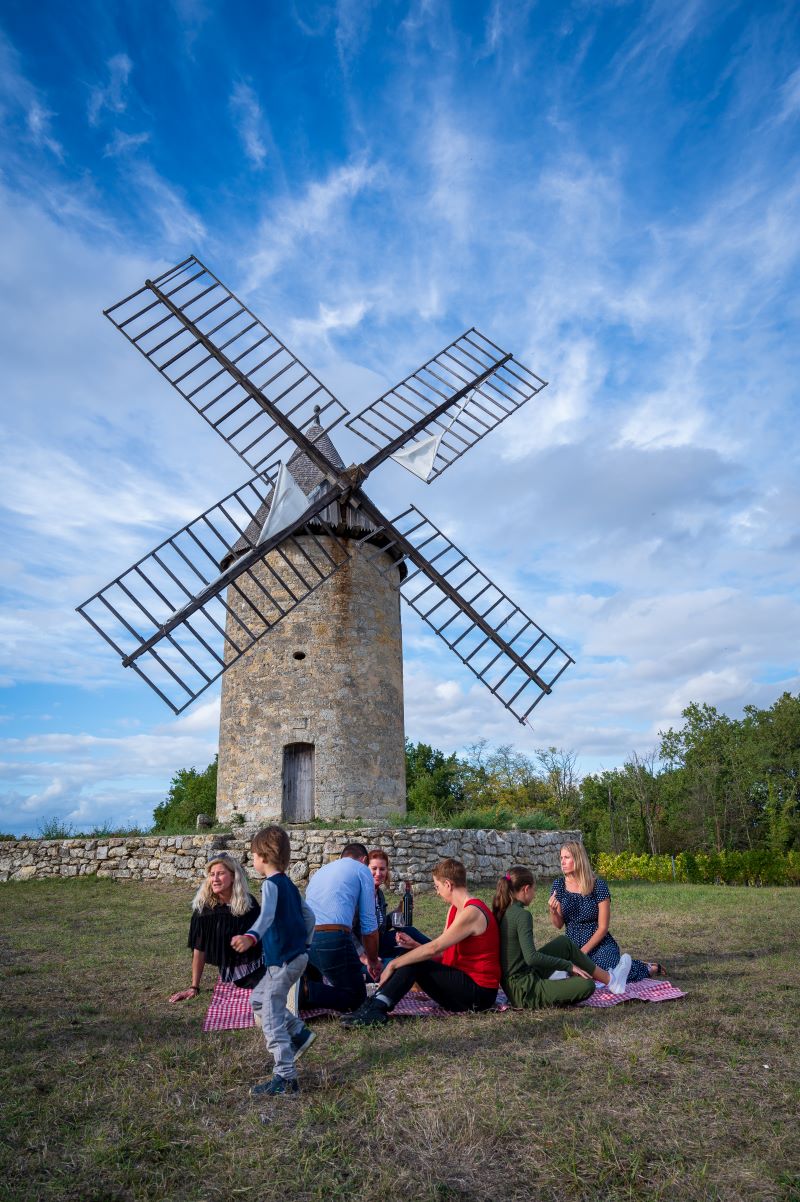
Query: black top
{"points": [[211, 931]]}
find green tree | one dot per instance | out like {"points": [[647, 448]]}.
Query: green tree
{"points": [[190, 793], [433, 780]]}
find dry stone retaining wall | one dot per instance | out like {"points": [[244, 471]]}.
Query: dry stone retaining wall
{"points": [[412, 851]]}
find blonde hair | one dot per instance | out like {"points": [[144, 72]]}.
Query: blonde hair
{"points": [[507, 885], [240, 896], [584, 873]]}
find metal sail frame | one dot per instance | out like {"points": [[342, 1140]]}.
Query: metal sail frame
{"points": [[202, 342]]}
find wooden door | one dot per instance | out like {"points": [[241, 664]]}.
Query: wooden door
{"points": [[298, 782]]}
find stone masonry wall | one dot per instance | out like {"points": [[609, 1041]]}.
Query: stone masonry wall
{"points": [[412, 851], [330, 674]]}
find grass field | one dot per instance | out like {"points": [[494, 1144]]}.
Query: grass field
{"points": [[110, 1093]]}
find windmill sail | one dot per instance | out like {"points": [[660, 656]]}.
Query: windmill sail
{"points": [[212, 363], [507, 387], [150, 614], [510, 653], [200, 600]]}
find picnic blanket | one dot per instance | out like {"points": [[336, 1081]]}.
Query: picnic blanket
{"points": [[652, 990], [230, 1008]]}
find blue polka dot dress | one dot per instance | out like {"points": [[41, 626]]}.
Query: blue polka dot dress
{"points": [[581, 916]]}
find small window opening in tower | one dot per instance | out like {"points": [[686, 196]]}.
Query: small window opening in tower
{"points": [[299, 655]]}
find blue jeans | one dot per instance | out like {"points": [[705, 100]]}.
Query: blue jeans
{"points": [[334, 955]]}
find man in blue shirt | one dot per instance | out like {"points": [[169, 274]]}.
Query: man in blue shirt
{"points": [[335, 893]]}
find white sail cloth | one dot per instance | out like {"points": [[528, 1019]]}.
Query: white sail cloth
{"points": [[288, 502], [418, 457]]}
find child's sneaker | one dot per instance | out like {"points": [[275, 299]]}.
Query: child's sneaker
{"points": [[278, 1085], [293, 998], [302, 1041]]}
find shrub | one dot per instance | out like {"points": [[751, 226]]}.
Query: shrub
{"points": [[756, 867], [536, 821], [56, 828]]}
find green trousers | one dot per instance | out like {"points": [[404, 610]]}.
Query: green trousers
{"points": [[533, 991]]}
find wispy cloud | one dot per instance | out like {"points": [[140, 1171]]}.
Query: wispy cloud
{"points": [[111, 96], [122, 143], [249, 121], [39, 129], [292, 227], [180, 226]]}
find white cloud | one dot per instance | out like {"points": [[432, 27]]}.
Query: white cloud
{"points": [[39, 129], [112, 95], [292, 229], [124, 143], [180, 226], [249, 120]]}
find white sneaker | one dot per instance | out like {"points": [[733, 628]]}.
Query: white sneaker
{"points": [[293, 998], [619, 975]]}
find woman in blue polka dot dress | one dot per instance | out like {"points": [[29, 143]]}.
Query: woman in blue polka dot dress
{"points": [[581, 901]]}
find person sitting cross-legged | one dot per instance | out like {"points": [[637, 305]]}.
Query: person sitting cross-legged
{"points": [[460, 969]]}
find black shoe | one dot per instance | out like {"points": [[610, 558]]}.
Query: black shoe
{"points": [[371, 1014], [278, 1085], [302, 1041]]}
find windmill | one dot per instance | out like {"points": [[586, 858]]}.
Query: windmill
{"points": [[247, 575]]}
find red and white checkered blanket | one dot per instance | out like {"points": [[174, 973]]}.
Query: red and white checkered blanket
{"points": [[652, 990], [230, 1007]]}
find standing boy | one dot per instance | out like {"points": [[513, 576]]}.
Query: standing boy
{"points": [[285, 927]]}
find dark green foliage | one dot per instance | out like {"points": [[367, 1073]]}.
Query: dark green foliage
{"points": [[433, 780], [190, 793]]}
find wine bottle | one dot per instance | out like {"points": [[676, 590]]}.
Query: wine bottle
{"points": [[408, 905]]}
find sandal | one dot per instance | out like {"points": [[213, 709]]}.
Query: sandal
{"points": [[657, 970]]}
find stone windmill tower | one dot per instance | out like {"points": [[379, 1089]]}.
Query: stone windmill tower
{"points": [[311, 721], [298, 604]]}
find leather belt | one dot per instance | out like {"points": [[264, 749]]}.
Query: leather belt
{"points": [[332, 926]]}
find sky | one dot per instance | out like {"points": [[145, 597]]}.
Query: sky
{"points": [[608, 190]]}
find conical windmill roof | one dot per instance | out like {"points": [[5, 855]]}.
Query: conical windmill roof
{"points": [[345, 520]]}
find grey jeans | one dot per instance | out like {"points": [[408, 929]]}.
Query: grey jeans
{"points": [[269, 1000]]}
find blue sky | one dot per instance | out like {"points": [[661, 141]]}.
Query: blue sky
{"points": [[611, 191]]}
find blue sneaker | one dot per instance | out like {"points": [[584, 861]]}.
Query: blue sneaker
{"points": [[302, 1041], [278, 1085]]}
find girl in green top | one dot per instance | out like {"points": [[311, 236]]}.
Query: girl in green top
{"points": [[526, 971]]}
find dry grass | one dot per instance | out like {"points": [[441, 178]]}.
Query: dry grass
{"points": [[109, 1093]]}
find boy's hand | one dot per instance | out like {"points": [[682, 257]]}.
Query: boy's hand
{"points": [[580, 972], [241, 943]]}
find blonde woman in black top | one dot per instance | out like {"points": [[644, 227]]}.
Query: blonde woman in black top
{"points": [[222, 907]]}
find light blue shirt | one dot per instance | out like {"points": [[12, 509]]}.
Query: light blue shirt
{"points": [[337, 889]]}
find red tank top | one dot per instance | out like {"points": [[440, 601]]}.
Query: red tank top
{"points": [[477, 955]]}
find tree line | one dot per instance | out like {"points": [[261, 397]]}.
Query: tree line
{"points": [[715, 784]]}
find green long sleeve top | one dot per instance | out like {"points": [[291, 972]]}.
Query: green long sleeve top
{"points": [[518, 954]]}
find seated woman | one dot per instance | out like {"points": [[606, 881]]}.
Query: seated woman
{"points": [[460, 969], [222, 907], [526, 971], [582, 901], [388, 933]]}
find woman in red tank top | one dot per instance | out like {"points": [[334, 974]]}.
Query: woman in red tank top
{"points": [[460, 969]]}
